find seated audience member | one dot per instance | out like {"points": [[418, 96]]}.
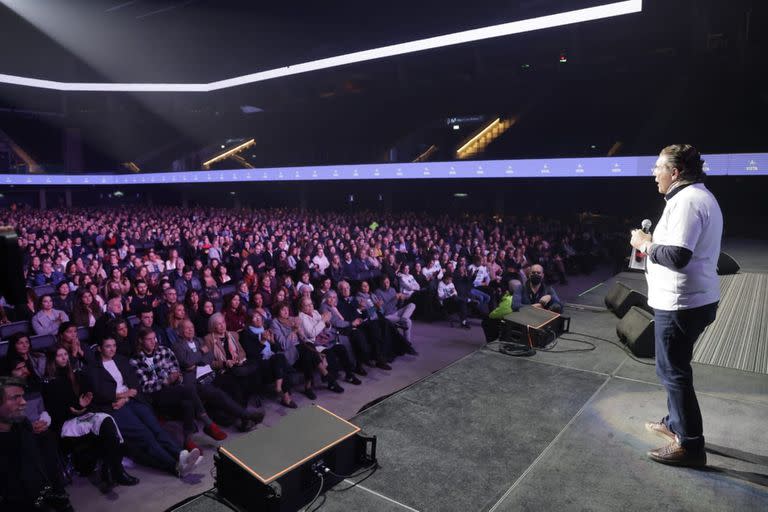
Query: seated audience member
{"points": [[160, 382], [68, 403], [266, 290], [234, 312], [94, 289], [260, 308], [30, 474], [222, 275], [86, 311], [47, 275], [325, 285], [378, 346], [120, 331], [178, 315], [187, 282], [244, 291], [163, 310], [173, 259], [63, 299], [372, 307], [141, 298], [197, 364], [117, 391], [147, 321], [48, 319], [304, 283], [313, 328], [336, 269], [80, 356], [260, 346], [450, 300], [303, 356], [229, 354], [210, 286], [481, 282], [408, 284], [390, 302], [539, 294], [250, 276], [192, 304], [114, 310], [390, 268], [20, 349], [365, 352], [320, 260], [433, 271], [31, 272], [509, 302], [204, 313], [464, 283]]}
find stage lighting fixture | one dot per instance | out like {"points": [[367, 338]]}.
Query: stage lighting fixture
{"points": [[466, 36]]}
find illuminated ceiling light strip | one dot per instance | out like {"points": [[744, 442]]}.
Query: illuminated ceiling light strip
{"points": [[505, 29], [480, 134], [467, 36], [229, 152]]}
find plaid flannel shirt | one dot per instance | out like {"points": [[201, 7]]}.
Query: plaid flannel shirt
{"points": [[153, 370]]}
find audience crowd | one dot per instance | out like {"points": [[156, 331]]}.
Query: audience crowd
{"points": [[198, 314]]}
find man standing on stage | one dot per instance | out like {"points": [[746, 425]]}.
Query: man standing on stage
{"points": [[683, 290]]}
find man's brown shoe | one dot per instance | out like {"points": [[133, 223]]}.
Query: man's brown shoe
{"points": [[658, 427], [675, 455]]}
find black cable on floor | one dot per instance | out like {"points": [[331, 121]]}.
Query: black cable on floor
{"points": [[612, 342], [592, 347], [371, 470], [322, 482]]}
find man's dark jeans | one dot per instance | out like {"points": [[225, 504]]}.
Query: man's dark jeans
{"points": [[676, 332]]}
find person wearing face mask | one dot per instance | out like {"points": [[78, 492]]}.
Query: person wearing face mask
{"points": [[539, 294]]}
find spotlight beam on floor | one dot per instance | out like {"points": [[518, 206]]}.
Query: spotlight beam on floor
{"points": [[467, 36]]}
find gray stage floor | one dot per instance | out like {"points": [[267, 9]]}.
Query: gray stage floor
{"points": [[560, 431]]}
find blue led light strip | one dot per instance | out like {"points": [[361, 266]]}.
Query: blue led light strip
{"points": [[740, 164]]}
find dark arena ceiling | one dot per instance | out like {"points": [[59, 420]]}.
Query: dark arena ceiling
{"points": [[696, 59]]}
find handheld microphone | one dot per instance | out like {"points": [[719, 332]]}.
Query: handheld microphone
{"points": [[637, 260]]}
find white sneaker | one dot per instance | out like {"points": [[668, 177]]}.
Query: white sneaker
{"points": [[182, 462], [188, 461]]}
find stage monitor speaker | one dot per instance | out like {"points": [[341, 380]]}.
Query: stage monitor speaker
{"points": [[535, 327], [635, 330], [12, 285], [726, 265], [277, 469], [621, 298]]}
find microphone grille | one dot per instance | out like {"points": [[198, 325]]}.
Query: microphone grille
{"points": [[646, 224]]}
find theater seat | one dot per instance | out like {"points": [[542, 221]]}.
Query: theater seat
{"points": [[8, 330], [41, 342]]}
